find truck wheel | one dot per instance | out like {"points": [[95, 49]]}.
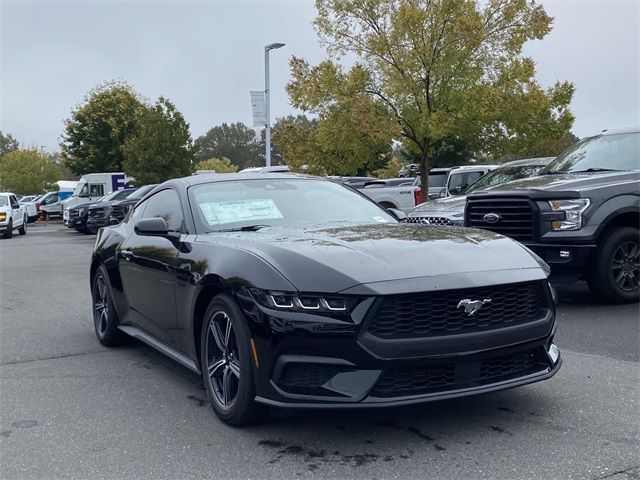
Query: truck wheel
{"points": [[23, 229], [616, 272], [9, 232]]}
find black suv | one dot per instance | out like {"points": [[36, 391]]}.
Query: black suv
{"points": [[580, 214]]}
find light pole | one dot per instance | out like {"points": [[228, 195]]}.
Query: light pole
{"points": [[267, 112]]}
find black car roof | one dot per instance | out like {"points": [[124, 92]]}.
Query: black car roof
{"points": [[225, 177]]}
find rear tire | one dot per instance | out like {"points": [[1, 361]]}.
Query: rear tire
{"points": [[224, 351], [23, 229], [615, 276], [105, 318]]}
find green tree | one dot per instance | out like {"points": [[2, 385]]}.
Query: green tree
{"points": [[234, 141], [547, 147], [391, 169], [160, 147], [340, 142], [218, 165], [27, 172], [7, 144], [99, 127], [440, 69]]}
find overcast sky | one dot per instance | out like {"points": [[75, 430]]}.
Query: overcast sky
{"points": [[206, 55]]}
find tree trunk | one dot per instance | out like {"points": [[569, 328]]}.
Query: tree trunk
{"points": [[424, 173]]}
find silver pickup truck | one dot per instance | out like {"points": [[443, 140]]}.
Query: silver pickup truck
{"points": [[442, 182]]}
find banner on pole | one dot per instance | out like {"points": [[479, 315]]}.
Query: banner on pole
{"points": [[258, 109]]}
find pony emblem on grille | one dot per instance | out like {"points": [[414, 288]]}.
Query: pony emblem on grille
{"points": [[472, 306]]}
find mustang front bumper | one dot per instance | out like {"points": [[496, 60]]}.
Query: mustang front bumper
{"points": [[309, 361]]}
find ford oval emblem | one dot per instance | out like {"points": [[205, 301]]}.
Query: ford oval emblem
{"points": [[492, 218]]}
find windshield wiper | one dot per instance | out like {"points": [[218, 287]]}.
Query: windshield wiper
{"points": [[596, 169], [246, 228]]}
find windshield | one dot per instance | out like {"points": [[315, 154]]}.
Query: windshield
{"points": [[79, 188], [604, 152], [141, 192], [281, 202], [436, 180], [503, 175], [4, 201]]}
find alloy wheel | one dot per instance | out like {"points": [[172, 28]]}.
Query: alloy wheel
{"points": [[626, 266], [223, 361], [100, 305]]}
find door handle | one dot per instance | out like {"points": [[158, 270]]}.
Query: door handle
{"points": [[126, 255]]}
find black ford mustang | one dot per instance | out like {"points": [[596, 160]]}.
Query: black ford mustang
{"points": [[296, 291]]}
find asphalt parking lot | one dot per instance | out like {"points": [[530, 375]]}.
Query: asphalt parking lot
{"points": [[71, 408]]}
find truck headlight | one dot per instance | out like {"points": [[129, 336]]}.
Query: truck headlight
{"points": [[573, 210], [3, 216]]}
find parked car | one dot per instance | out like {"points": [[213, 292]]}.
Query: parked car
{"points": [[581, 214], [30, 204], [410, 170], [13, 216], [450, 210], [120, 208], [406, 197], [294, 291], [454, 180], [80, 216], [93, 186], [353, 182], [99, 213], [49, 205]]}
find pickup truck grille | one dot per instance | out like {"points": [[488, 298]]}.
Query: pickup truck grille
{"points": [[73, 213], [513, 217], [119, 211], [97, 212], [429, 220], [438, 313]]}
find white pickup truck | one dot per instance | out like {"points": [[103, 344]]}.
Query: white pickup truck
{"points": [[12, 215], [442, 183]]}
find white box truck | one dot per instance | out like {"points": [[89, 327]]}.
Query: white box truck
{"points": [[92, 186]]}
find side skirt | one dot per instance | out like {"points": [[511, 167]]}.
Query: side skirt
{"points": [[162, 347]]}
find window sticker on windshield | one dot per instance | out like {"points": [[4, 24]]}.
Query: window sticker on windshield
{"points": [[380, 219], [217, 213]]}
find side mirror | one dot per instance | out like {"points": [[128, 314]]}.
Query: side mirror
{"points": [[155, 227], [152, 227], [397, 214]]}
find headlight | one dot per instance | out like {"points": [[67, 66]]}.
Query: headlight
{"points": [[3, 217], [573, 210], [300, 302]]}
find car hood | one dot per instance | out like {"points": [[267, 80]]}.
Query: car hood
{"points": [[568, 182], [335, 259], [440, 205], [6, 210]]}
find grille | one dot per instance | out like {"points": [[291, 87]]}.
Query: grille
{"points": [[304, 378], [397, 382], [119, 211], [437, 313], [97, 212], [516, 217], [73, 214], [429, 220]]}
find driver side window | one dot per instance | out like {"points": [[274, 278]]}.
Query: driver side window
{"points": [[164, 204]]}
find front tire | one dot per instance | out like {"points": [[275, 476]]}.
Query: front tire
{"points": [[226, 363], [616, 273], [9, 232], [23, 229], [105, 318]]}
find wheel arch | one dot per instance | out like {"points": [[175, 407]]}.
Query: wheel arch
{"points": [[626, 217], [210, 286]]}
